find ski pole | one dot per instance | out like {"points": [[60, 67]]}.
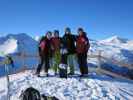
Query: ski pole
{"points": [[7, 77]]}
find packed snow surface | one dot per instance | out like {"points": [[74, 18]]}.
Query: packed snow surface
{"points": [[92, 87]]}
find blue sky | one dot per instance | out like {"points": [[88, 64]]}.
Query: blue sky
{"points": [[99, 18]]}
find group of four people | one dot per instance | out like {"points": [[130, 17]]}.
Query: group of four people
{"points": [[75, 46]]}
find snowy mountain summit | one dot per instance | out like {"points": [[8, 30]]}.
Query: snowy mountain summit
{"points": [[24, 43], [115, 39], [93, 87]]}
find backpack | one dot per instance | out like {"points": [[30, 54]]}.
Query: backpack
{"points": [[30, 94]]}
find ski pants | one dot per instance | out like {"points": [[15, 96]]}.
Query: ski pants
{"points": [[72, 62], [44, 61], [56, 60], [82, 61]]}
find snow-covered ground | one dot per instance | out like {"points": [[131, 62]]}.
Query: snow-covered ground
{"points": [[93, 87]]}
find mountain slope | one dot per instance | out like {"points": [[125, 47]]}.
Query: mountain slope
{"points": [[114, 48], [23, 44]]}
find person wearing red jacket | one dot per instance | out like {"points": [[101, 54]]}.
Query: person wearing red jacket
{"points": [[82, 46], [56, 42], [44, 53]]}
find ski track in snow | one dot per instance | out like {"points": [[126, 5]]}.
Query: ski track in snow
{"points": [[75, 88]]}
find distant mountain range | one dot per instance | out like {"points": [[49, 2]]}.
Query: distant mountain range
{"points": [[114, 48], [115, 39]]}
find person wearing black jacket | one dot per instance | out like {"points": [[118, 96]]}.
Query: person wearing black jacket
{"points": [[69, 41]]}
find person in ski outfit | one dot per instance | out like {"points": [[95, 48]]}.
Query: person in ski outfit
{"points": [[63, 63], [44, 53], [56, 42], [82, 46], [10, 61], [69, 42]]}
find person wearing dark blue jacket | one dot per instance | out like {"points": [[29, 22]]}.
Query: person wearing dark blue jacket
{"points": [[69, 41]]}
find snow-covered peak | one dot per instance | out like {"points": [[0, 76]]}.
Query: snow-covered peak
{"points": [[22, 41], [20, 36], [9, 46], [115, 39]]}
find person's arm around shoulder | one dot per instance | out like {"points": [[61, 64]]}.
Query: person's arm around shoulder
{"points": [[75, 37]]}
